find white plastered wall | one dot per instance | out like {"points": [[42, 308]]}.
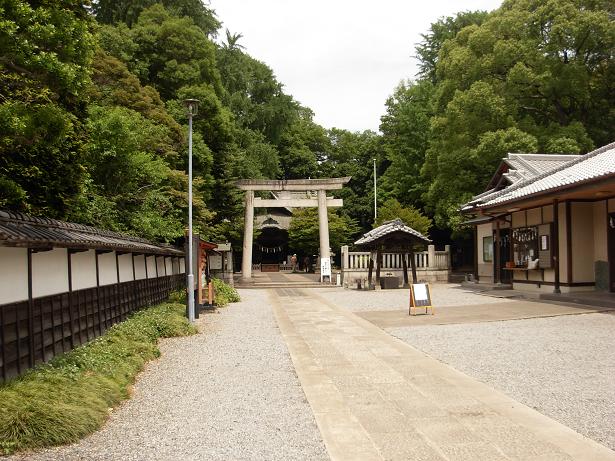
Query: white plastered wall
{"points": [[485, 268], [13, 275], [169, 265], [140, 267], [107, 268], [582, 249], [534, 217], [49, 272], [600, 232], [160, 265], [182, 265], [518, 219], [563, 256], [151, 267], [83, 270], [125, 262]]}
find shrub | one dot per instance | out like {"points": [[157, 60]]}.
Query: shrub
{"points": [[70, 397], [224, 293]]}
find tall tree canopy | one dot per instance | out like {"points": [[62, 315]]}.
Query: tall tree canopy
{"points": [[93, 126], [46, 50], [535, 76]]}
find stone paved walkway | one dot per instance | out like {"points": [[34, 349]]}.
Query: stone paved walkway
{"points": [[375, 397]]}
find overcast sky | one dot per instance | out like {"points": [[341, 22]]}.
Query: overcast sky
{"points": [[341, 58]]}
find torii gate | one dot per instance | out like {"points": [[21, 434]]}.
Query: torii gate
{"points": [[301, 185]]}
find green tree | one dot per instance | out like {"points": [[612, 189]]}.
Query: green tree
{"points": [[129, 188], [352, 154], [303, 234], [405, 135], [128, 11], [445, 28], [392, 209], [534, 76], [46, 51], [253, 93], [173, 52], [301, 148]]}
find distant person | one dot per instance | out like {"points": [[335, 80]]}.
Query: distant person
{"points": [[306, 264], [293, 263]]}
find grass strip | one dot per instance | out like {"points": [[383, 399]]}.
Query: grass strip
{"points": [[71, 396]]}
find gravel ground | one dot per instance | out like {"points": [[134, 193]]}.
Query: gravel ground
{"points": [[228, 393], [442, 294], [564, 367]]}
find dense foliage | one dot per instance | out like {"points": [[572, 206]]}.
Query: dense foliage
{"points": [[93, 129], [303, 234], [224, 294], [532, 76]]}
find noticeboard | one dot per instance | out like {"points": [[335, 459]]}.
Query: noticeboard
{"points": [[420, 296], [325, 267], [215, 262]]}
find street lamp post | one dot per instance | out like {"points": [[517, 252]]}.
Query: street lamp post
{"points": [[375, 197], [192, 106]]}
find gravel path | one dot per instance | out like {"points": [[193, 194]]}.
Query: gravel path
{"points": [[442, 294], [228, 393], [563, 367]]}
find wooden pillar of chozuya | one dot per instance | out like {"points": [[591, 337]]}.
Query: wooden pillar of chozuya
{"points": [[293, 185]]}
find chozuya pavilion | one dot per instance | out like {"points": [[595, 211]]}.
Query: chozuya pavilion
{"points": [[547, 223]]}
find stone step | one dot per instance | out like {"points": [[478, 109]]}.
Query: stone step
{"points": [[264, 286]]}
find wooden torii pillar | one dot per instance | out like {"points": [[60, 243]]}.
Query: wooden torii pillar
{"points": [[298, 185]]}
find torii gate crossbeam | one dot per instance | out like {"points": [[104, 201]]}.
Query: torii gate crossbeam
{"points": [[322, 202]]}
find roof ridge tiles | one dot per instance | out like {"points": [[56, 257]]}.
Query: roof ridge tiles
{"points": [[525, 182]]}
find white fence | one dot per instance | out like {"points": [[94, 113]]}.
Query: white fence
{"points": [[431, 265]]}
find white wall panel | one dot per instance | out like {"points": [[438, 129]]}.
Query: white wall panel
{"points": [[83, 268], [13, 275], [160, 264], [140, 267], [151, 267], [125, 261], [49, 272], [107, 268]]}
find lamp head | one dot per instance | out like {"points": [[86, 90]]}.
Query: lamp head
{"points": [[192, 106]]}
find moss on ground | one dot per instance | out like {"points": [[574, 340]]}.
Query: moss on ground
{"points": [[70, 397]]}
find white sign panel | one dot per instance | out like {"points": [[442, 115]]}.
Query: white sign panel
{"points": [[325, 267], [420, 292], [215, 262]]}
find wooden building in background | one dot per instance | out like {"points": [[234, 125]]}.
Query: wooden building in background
{"points": [[547, 223]]}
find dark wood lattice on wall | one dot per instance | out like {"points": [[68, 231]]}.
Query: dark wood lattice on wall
{"points": [[34, 332]]}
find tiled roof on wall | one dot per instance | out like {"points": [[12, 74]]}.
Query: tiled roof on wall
{"points": [[20, 230]]}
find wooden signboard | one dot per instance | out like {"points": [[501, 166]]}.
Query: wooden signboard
{"points": [[420, 296]]}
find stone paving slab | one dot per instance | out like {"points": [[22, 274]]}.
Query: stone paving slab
{"points": [[492, 312], [375, 397]]}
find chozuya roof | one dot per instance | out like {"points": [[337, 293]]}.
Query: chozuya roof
{"points": [[597, 164], [20, 230], [390, 227]]}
